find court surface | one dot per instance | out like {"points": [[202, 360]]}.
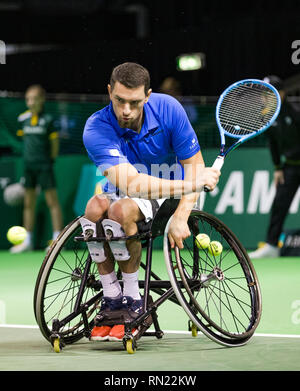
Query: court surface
{"points": [[274, 347]]}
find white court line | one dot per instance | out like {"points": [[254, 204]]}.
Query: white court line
{"points": [[255, 334], [19, 326], [277, 335]]}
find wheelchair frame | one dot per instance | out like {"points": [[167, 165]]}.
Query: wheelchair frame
{"points": [[182, 289]]}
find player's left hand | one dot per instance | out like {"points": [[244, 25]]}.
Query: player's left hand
{"points": [[178, 231]]}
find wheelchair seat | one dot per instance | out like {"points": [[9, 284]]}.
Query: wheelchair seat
{"points": [[158, 223]]}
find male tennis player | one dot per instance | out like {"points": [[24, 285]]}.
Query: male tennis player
{"points": [[135, 140], [40, 148]]}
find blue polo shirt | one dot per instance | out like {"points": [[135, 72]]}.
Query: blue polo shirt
{"points": [[165, 138]]}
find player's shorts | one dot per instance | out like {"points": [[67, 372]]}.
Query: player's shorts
{"points": [[39, 176], [144, 207], [149, 208]]}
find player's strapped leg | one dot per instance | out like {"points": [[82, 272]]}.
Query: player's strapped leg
{"points": [[96, 249]]}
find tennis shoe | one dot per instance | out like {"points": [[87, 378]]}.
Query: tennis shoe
{"points": [[100, 333], [118, 331], [267, 251]]}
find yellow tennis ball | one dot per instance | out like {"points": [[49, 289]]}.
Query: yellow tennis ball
{"points": [[16, 235], [202, 241], [215, 248]]}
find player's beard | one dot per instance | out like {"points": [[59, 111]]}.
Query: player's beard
{"points": [[125, 124], [130, 124]]}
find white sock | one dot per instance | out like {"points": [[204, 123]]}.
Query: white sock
{"points": [[131, 285], [55, 234], [110, 284]]}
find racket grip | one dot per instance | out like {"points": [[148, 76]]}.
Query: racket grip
{"points": [[218, 163]]}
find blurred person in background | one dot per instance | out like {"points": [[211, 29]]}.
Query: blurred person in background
{"points": [[40, 148], [284, 141], [172, 86]]}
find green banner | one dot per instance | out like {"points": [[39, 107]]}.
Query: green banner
{"points": [[242, 199], [244, 195]]}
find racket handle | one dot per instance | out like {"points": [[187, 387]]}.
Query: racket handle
{"points": [[218, 163]]}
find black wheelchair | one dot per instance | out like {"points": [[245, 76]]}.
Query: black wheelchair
{"points": [[219, 293]]}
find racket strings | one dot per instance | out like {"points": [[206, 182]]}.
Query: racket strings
{"points": [[247, 109], [246, 116], [243, 116]]}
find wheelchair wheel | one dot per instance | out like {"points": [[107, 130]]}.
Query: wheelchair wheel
{"points": [[220, 294], [58, 284]]}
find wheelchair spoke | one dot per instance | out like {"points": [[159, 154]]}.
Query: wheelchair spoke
{"points": [[238, 301], [223, 256], [219, 308], [65, 261], [56, 296], [204, 260], [59, 279], [238, 285], [231, 294]]}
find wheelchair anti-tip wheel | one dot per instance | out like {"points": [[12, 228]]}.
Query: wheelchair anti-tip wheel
{"points": [[219, 293], [130, 345], [58, 287]]}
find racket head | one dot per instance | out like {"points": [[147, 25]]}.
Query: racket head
{"points": [[246, 109]]}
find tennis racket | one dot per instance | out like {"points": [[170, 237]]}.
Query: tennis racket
{"points": [[245, 109]]}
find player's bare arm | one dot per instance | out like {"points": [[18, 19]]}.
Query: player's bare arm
{"points": [[134, 184], [178, 229]]}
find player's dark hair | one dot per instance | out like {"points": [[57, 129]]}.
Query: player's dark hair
{"points": [[131, 75]]}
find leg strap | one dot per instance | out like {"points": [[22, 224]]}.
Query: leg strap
{"points": [[112, 229], [96, 249], [111, 318]]}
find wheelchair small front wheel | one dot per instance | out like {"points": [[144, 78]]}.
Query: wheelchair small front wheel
{"points": [[56, 345], [130, 345], [194, 330]]}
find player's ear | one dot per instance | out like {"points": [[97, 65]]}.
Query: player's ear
{"points": [[109, 89], [148, 95]]}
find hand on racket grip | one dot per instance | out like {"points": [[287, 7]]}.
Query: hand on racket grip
{"points": [[218, 163], [208, 176]]}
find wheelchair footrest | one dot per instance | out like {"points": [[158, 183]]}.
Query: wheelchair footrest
{"points": [[111, 318]]}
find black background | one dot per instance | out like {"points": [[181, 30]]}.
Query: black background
{"points": [[240, 39]]}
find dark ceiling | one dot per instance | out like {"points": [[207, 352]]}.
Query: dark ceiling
{"points": [[72, 45]]}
